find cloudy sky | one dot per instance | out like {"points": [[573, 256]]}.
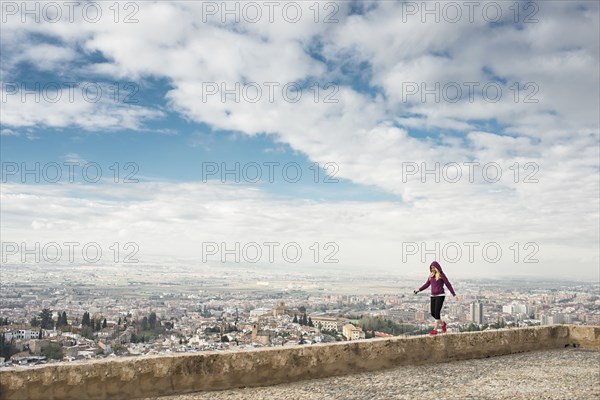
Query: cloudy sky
{"points": [[378, 132]]}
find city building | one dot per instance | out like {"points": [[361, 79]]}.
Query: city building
{"points": [[477, 312], [279, 310], [21, 334], [259, 312], [327, 323], [553, 319], [516, 308], [352, 332], [420, 316]]}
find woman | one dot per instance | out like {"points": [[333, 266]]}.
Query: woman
{"points": [[437, 279]]}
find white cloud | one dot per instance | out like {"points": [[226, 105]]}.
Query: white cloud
{"points": [[67, 106], [45, 57], [9, 132], [158, 218], [369, 136], [74, 158]]}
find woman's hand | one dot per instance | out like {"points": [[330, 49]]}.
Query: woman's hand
{"points": [[456, 298], [416, 291]]}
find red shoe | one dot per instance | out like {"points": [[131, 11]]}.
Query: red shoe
{"points": [[444, 327], [433, 332]]}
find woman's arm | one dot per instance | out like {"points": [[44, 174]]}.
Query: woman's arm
{"points": [[425, 285], [448, 285]]}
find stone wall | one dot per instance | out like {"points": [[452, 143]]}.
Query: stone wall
{"points": [[129, 378]]}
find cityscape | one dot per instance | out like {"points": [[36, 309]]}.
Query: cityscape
{"points": [[65, 320], [307, 200]]}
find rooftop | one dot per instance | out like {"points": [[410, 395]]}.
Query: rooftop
{"points": [[549, 374]]}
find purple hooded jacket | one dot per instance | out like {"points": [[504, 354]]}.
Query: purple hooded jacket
{"points": [[437, 287]]}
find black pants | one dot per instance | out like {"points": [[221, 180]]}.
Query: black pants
{"points": [[436, 306]]}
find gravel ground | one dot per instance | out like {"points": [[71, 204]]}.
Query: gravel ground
{"points": [[553, 374]]}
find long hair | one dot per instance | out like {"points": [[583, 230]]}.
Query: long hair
{"points": [[435, 273]]}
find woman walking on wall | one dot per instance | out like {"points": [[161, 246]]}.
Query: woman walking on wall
{"points": [[437, 279]]}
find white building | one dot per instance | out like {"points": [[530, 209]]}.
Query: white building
{"points": [[23, 334], [509, 309], [516, 308], [352, 332], [259, 312], [327, 323], [555, 319], [477, 312]]}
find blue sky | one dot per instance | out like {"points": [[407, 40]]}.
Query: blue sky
{"points": [[369, 125], [187, 156]]}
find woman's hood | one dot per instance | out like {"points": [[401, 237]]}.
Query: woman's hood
{"points": [[438, 266]]}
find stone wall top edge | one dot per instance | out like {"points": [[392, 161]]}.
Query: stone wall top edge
{"points": [[367, 343]]}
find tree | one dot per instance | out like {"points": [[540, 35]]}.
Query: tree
{"points": [[104, 324], [46, 321], [310, 323], [85, 320], [212, 329], [295, 319], [381, 324], [470, 328], [119, 322], [152, 320], [302, 309], [35, 322], [145, 324], [7, 349], [53, 351], [62, 320], [98, 324], [87, 332]]}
